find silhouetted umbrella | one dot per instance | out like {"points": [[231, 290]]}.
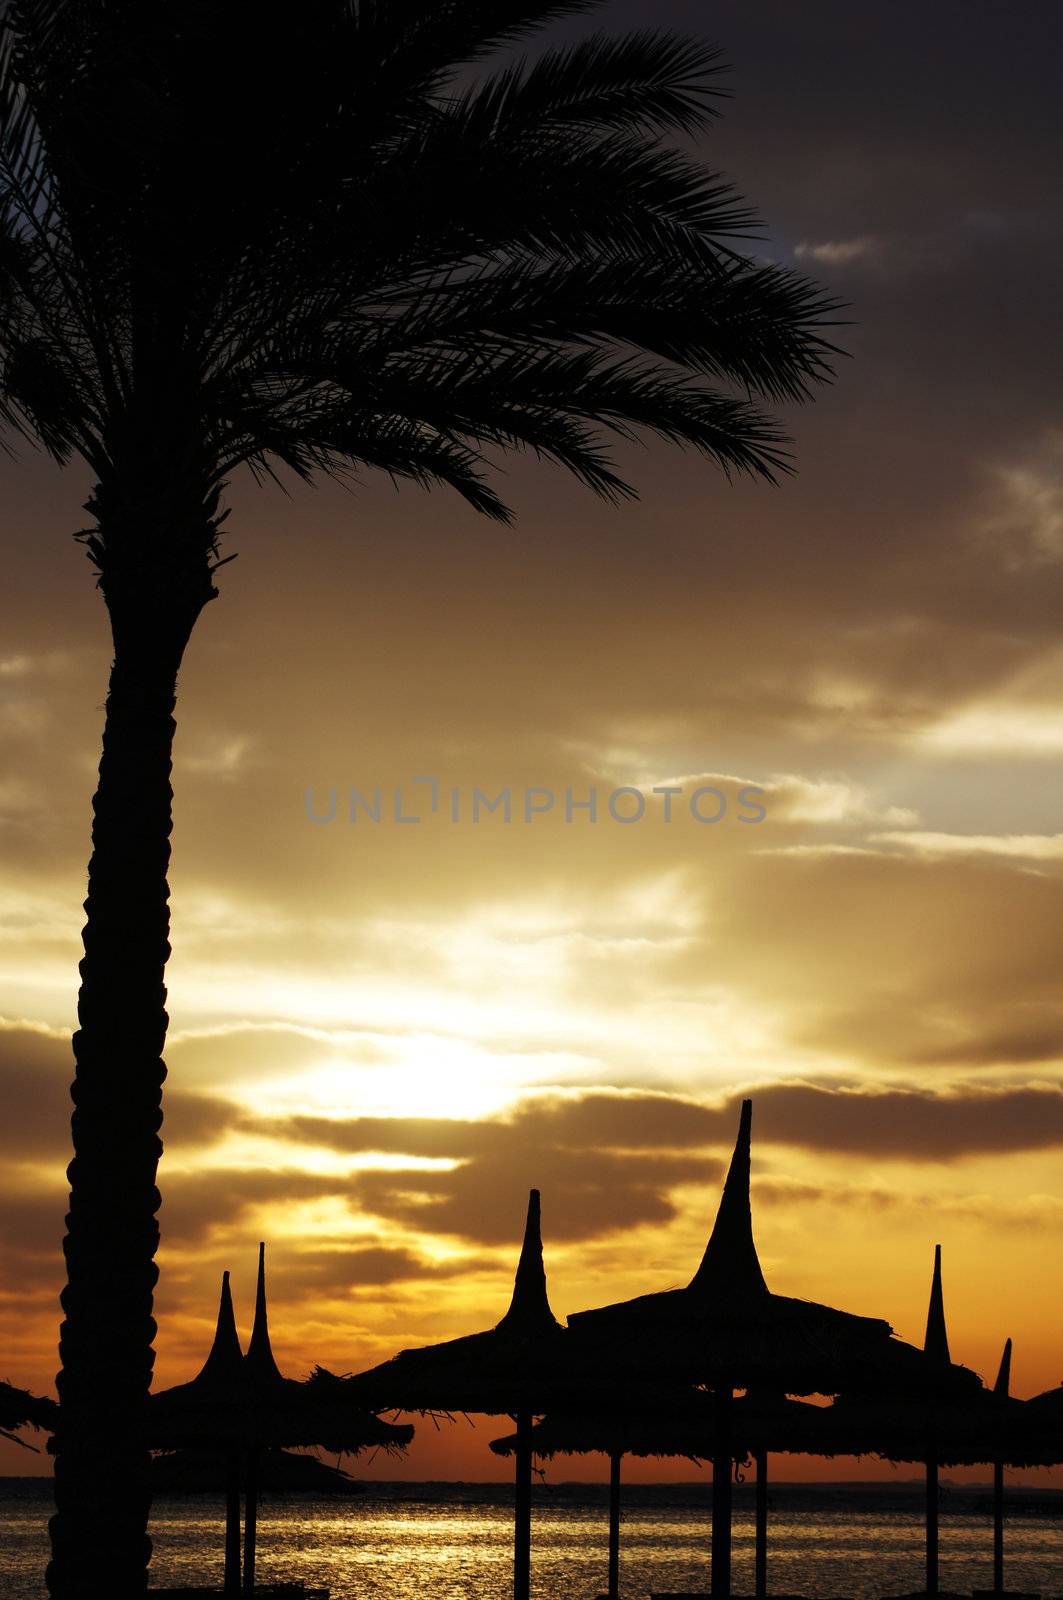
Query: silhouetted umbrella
{"points": [[518, 1368], [676, 1423], [242, 1404], [940, 1426], [20, 1409], [727, 1330], [936, 1350], [1048, 1408], [202, 1471], [1000, 1389]]}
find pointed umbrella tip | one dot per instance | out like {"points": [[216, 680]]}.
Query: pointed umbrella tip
{"points": [[1003, 1383], [225, 1353], [936, 1339], [730, 1264], [530, 1303], [260, 1351]]}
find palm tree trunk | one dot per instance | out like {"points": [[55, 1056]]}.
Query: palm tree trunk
{"points": [[100, 1545]]}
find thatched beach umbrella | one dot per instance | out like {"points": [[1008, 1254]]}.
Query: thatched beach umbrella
{"points": [[1045, 1414], [207, 1410], [20, 1409], [241, 1405], [519, 1368], [283, 1472], [1000, 1390], [663, 1424], [1032, 1437], [936, 1350], [943, 1423], [1048, 1409], [728, 1331], [641, 1430]]}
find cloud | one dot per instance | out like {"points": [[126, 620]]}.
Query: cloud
{"points": [[203, 1205], [574, 1123], [36, 1069], [839, 252], [590, 1194], [904, 1125], [223, 756], [1025, 527], [879, 958], [1026, 847], [830, 801], [299, 1274], [1011, 729], [1009, 1211], [606, 1162]]}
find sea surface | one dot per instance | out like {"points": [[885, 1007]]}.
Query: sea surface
{"points": [[454, 1541]]}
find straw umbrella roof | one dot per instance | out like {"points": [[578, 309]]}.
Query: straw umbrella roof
{"points": [[727, 1328], [245, 1402], [957, 1427], [1049, 1405], [204, 1471], [521, 1364], [20, 1409], [684, 1424], [1044, 1421]]}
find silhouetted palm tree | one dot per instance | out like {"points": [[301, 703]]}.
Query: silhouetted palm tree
{"points": [[245, 234]]}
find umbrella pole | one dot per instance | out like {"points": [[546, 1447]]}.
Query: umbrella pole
{"points": [[614, 1525], [250, 1521], [932, 1526], [232, 1526], [761, 1578], [998, 1527], [721, 1495], [522, 1509]]}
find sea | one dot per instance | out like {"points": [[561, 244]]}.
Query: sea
{"points": [[453, 1541]]}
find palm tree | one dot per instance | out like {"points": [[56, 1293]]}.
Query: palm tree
{"points": [[242, 234]]}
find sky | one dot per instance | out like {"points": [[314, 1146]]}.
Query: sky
{"points": [[383, 1033]]}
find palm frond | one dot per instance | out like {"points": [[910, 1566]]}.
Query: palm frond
{"points": [[429, 39], [642, 81], [354, 255]]}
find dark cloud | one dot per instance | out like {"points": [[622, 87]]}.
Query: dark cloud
{"points": [[36, 1069], [586, 1193], [35, 1073], [904, 1125], [608, 1162], [574, 1122], [604, 1162], [32, 1225], [203, 1205], [348, 1268], [591, 1133], [891, 962]]}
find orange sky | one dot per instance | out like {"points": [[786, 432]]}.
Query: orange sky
{"points": [[382, 1035]]}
